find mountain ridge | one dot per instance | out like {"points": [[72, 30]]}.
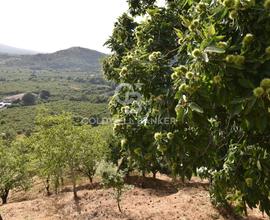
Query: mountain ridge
{"points": [[71, 59], [6, 49]]}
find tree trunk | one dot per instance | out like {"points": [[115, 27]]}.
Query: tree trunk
{"points": [[90, 179], [62, 182], [4, 196], [119, 208], [74, 184], [154, 175], [74, 190], [1, 217], [143, 173], [56, 185], [47, 186]]}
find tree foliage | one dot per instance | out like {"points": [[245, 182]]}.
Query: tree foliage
{"points": [[205, 64], [61, 148], [29, 99], [112, 177], [14, 167]]}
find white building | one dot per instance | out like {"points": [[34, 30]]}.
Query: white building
{"points": [[4, 104]]}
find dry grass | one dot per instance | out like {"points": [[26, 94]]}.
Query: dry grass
{"points": [[159, 199]]}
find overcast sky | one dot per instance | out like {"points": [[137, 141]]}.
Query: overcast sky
{"points": [[51, 25]]}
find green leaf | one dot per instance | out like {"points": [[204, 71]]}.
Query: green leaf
{"points": [[213, 49], [180, 114], [250, 105], [211, 30], [195, 107], [249, 182], [178, 33], [138, 151], [237, 109], [246, 83], [185, 21], [261, 123], [259, 165]]}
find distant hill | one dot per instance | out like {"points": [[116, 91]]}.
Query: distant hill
{"points": [[4, 49], [72, 59]]}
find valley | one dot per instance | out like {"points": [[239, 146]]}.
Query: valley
{"points": [[71, 80]]}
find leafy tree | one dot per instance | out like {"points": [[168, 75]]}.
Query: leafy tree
{"points": [[14, 169], [44, 94], [29, 99], [112, 177], [48, 157], [94, 148], [62, 148], [205, 64]]}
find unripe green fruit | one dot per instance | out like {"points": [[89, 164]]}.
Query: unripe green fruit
{"points": [[236, 59], [196, 22], [150, 41], [117, 128], [265, 83], [217, 79], [123, 142], [158, 136], [127, 109], [174, 76], [248, 3], [151, 57], [230, 59], [248, 39], [189, 75], [179, 41], [129, 58], [170, 135], [249, 182], [229, 3], [196, 53], [155, 111], [183, 87], [158, 54], [267, 4], [267, 50], [239, 60], [222, 44], [123, 71], [202, 7], [183, 69], [192, 27], [161, 148], [258, 92], [154, 56], [268, 91], [180, 70], [233, 15], [237, 4]]}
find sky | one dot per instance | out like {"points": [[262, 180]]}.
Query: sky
{"points": [[51, 25]]}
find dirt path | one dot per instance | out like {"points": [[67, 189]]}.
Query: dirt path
{"points": [[157, 200]]}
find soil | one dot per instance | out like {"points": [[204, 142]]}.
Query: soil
{"points": [[159, 199]]}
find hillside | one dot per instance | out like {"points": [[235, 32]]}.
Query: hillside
{"points": [[4, 49], [72, 59], [157, 200]]}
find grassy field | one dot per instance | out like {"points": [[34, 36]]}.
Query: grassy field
{"points": [[21, 119], [82, 93]]}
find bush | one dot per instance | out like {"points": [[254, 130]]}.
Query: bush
{"points": [[111, 177], [14, 167], [29, 99], [44, 94]]}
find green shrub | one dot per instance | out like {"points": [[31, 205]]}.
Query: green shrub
{"points": [[111, 177]]}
